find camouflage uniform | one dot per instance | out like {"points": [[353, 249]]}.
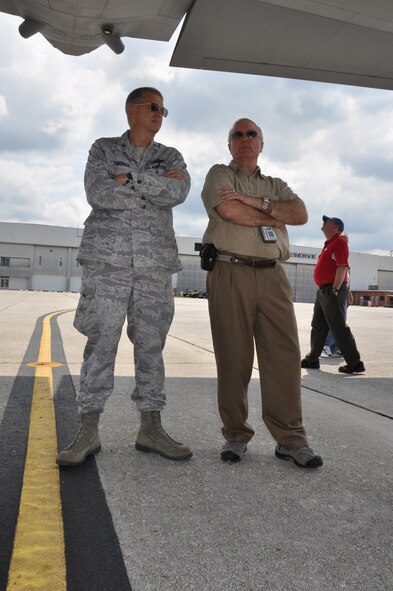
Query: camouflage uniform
{"points": [[128, 253]]}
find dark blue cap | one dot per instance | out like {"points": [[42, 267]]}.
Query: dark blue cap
{"points": [[336, 221]]}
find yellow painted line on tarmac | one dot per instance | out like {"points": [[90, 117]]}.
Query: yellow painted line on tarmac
{"points": [[38, 560]]}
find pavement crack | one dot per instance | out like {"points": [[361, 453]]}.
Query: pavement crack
{"points": [[375, 412]]}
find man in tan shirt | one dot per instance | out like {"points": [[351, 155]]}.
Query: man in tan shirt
{"points": [[250, 298]]}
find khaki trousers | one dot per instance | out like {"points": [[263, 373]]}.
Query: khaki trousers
{"points": [[247, 305]]}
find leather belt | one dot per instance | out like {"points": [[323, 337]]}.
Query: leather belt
{"points": [[259, 263]]}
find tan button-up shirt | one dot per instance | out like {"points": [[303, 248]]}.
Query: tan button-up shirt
{"points": [[243, 240]]}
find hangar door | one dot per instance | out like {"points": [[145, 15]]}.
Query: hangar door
{"points": [[385, 279], [301, 278]]}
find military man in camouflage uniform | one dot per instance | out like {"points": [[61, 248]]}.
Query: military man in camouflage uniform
{"points": [[128, 254]]}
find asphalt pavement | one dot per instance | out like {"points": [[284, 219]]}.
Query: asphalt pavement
{"points": [[204, 525]]}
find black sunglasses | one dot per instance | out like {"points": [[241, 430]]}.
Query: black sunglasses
{"points": [[250, 134], [155, 107]]}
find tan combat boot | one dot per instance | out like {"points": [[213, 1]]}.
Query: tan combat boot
{"points": [[86, 442], [153, 438]]}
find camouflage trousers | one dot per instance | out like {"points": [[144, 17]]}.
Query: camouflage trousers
{"points": [[110, 295]]}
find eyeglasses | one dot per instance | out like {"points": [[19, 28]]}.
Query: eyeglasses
{"points": [[238, 135], [155, 107]]}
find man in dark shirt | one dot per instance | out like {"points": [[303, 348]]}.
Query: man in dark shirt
{"points": [[330, 274]]}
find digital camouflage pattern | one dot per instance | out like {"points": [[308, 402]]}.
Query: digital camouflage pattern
{"points": [[109, 296], [132, 225], [128, 253]]}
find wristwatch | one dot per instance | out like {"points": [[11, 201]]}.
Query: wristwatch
{"points": [[335, 291], [265, 204], [129, 178]]}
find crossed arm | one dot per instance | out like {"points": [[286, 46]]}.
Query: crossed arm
{"points": [[104, 191], [246, 210], [169, 174]]}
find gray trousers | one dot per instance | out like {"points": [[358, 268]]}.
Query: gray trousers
{"points": [[108, 296]]}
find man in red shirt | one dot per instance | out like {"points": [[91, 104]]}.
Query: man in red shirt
{"points": [[330, 274]]}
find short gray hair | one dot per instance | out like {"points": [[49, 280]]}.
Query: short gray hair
{"points": [[138, 94], [244, 119]]}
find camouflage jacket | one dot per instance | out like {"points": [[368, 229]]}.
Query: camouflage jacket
{"points": [[132, 225]]}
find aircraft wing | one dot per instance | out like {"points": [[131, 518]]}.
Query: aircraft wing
{"points": [[341, 41]]}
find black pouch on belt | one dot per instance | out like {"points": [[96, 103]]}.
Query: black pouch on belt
{"points": [[208, 254]]}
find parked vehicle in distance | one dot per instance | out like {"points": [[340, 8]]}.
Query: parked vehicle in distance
{"points": [[200, 293], [195, 293]]}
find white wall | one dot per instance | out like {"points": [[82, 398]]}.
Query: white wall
{"points": [[364, 269], [75, 284], [18, 283], [49, 282]]}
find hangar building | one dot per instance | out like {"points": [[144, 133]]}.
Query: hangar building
{"points": [[40, 257]]}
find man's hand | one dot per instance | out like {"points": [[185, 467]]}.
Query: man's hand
{"points": [[175, 174], [170, 174], [229, 194], [120, 178]]}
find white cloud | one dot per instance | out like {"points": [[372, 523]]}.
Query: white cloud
{"points": [[332, 144], [41, 194], [3, 107]]}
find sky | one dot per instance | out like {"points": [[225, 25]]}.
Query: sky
{"points": [[332, 144]]}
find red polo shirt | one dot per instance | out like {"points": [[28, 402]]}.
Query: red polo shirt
{"points": [[334, 254]]}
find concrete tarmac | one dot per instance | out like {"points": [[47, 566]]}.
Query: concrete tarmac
{"points": [[259, 525]]}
